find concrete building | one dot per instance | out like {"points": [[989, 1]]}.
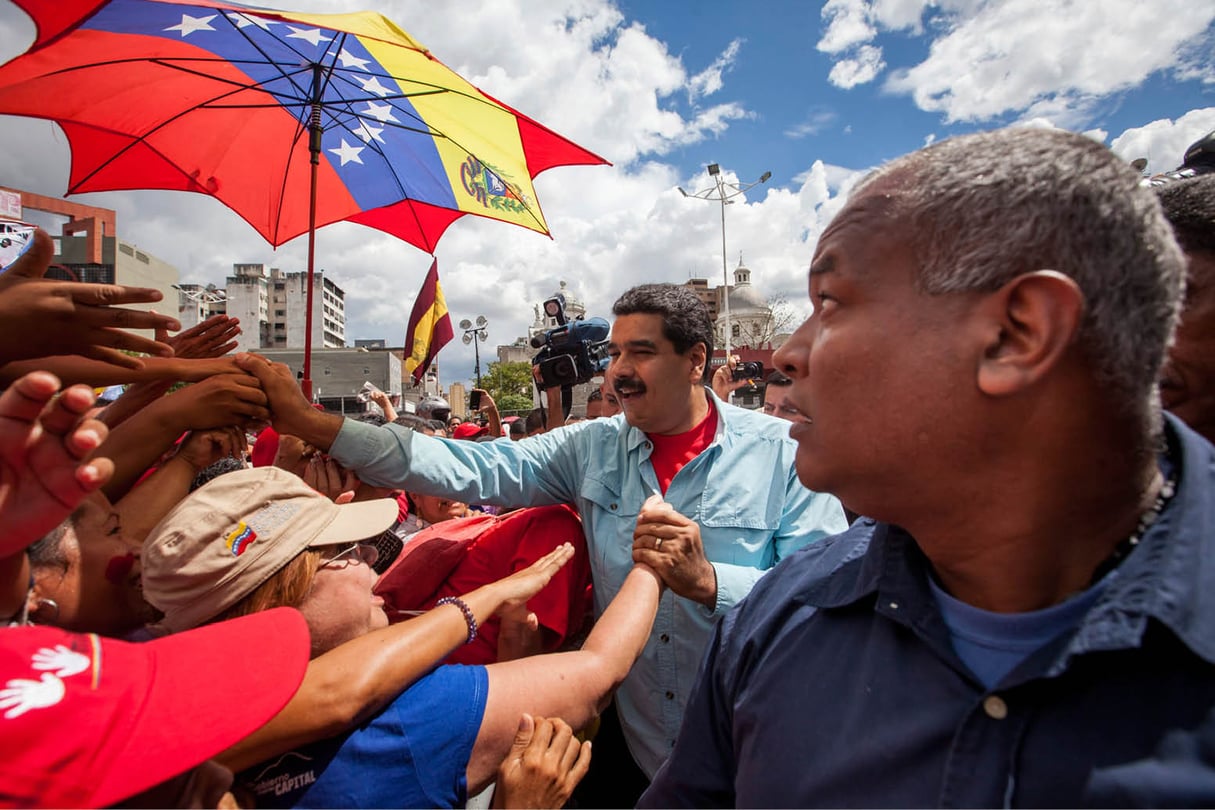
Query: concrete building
{"points": [[338, 374], [88, 248], [457, 397], [272, 307]]}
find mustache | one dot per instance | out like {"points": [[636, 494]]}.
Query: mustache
{"points": [[628, 385]]}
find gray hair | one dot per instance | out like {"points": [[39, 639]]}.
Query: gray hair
{"points": [[983, 209]]}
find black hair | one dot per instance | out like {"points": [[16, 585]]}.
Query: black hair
{"points": [[47, 551], [371, 418], [212, 471], [685, 318], [413, 421], [534, 420], [777, 379]]}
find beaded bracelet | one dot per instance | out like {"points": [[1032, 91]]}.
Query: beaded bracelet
{"points": [[468, 615]]}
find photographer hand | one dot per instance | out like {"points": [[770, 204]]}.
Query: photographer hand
{"points": [[723, 379]]}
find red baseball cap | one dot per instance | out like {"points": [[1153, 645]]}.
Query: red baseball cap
{"points": [[468, 430], [87, 721]]}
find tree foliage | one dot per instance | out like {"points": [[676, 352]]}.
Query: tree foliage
{"points": [[510, 384]]}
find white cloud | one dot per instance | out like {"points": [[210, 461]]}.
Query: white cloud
{"points": [[709, 80], [1019, 55], [847, 25], [863, 67], [595, 77], [1164, 142]]}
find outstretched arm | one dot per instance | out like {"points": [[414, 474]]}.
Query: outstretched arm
{"points": [[352, 682], [40, 317], [574, 686], [216, 402]]}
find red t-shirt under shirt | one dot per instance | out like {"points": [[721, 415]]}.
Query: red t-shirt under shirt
{"points": [[670, 453]]}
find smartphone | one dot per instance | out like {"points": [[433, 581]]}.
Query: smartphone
{"points": [[474, 400]]}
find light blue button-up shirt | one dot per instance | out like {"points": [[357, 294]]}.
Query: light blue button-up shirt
{"points": [[742, 490]]}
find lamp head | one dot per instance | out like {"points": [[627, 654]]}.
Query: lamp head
{"points": [[714, 169], [763, 178], [466, 324]]}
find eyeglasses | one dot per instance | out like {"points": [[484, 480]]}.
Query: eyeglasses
{"points": [[365, 553]]}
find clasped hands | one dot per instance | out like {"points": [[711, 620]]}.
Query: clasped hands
{"points": [[670, 543]]}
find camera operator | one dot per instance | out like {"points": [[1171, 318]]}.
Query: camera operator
{"points": [[702, 491]]}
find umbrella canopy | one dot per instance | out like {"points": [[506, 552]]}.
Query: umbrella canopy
{"points": [[220, 98], [292, 120]]}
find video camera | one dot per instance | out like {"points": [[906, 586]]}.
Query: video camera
{"points": [[573, 351]]}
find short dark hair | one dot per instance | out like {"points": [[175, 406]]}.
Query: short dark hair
{"points": [[534, 420], [777, 379], [518, 428], [371, 418], [413, 422], [685, 318], [1189, 206]]}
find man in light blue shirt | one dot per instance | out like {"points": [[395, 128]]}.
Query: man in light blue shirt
{"points": [[729, 507]]}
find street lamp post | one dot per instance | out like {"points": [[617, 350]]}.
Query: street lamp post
{"points": [[724, 193], [475, 335]]}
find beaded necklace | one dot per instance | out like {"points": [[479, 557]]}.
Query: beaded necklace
{"points": [[1124, 548]]}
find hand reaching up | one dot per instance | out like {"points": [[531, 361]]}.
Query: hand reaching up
{"points": [[46, 468]]}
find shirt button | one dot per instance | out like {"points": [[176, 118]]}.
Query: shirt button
{"points": [[648, 446], [612, 507], [995, 707], [670, 695], [664, 638]]}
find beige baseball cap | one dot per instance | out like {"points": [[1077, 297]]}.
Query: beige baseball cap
{"points": [[234, 533]]}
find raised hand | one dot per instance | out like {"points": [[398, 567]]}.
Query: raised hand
{"points": [[217, 401], [525, 583], [40, 317], [546, 762], [202, 448], [328, 477], [45, 465], [292, 413], [723, 379], [214, 337]]}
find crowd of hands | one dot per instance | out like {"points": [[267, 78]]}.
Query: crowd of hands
{"points": [[59, 341]]}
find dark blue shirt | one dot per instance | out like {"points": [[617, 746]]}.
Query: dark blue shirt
{"points": [[835, 682]]}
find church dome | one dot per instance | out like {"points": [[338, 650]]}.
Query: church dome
{"points": [[745, 299]]}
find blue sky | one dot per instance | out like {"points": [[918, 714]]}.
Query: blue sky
{"points": [[816, 93]]}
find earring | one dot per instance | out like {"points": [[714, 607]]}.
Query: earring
{"points": [[39, 604]]}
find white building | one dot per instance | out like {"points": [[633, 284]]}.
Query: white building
{"points": [[271, 306], [751, 321]]}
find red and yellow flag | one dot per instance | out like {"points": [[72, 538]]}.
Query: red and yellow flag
{"points": [[429, 325]]}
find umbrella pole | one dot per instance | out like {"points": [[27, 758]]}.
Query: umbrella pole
{"points": [[314, 154]]}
